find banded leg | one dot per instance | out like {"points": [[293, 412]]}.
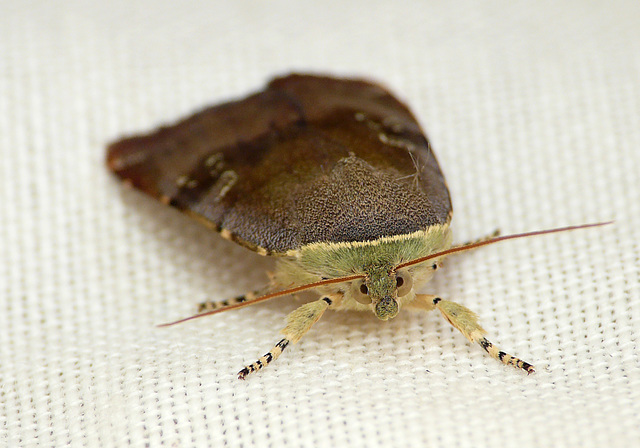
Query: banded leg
{"points": [[210, 306], [299, 322], [492, 235], [466, 321]]}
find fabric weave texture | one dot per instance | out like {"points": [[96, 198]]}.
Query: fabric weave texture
{"points": [[533, 111]]}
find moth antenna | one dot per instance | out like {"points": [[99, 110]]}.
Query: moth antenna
{"points": [[454, 250], [267, 297]]}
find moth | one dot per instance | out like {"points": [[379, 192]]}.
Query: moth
{"points": [[335, 178]]}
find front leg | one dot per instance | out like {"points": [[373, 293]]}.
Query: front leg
{"points": [[466, 321], [299, 322]]}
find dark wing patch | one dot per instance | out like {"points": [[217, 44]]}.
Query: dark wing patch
{"points": [[309, 159]]}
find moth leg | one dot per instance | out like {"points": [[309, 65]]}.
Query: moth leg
{"points": [[215, 305], [466, 321], [299, 322], [492, 235]]}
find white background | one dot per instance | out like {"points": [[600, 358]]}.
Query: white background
{"points": [[534, 113]]}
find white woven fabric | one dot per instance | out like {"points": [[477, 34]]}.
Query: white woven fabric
{"points": [[534, 113]]}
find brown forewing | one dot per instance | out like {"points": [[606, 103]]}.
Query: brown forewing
{"points": [[309, 159]]}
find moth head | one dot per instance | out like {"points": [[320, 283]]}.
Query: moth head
{"points": [[382, 289]]}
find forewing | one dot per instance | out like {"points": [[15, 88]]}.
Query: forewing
{"points": [[309, 159]]}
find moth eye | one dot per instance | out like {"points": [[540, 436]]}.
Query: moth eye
{"points": [[404, 283], [361, 293]]}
